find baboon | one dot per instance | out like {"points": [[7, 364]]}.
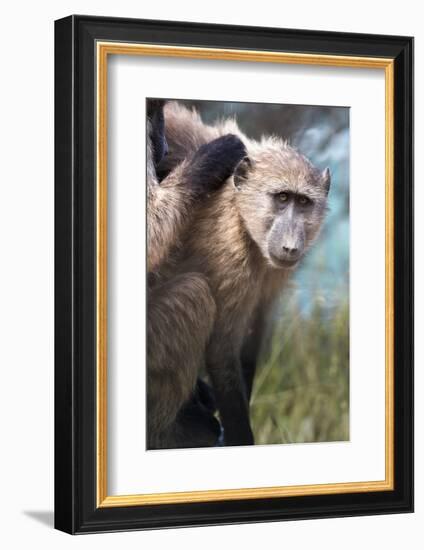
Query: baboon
{"points": [[181, 310], [247, 239]]}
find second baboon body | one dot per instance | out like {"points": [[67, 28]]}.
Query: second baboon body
{"points": [[177, 306], [181, 309]]}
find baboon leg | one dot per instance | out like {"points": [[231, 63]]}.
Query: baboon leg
{"points": [[251, 348], [181, 313], [230, 393]]}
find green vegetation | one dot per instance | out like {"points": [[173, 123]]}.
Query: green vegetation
{"points": [[301, 390]]}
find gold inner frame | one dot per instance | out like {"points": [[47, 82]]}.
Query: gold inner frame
{"points": [[103, 50]]}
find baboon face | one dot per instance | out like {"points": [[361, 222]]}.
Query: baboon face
{"points": [[282, 199]]}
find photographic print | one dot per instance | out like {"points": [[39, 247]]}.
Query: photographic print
{"points": [[233, 334], [248, 273]]}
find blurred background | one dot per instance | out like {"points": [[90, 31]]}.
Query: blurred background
{"points": [[301, 389]]}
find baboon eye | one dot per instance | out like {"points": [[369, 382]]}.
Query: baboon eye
{"points": [[303, 200], [283, 197]]}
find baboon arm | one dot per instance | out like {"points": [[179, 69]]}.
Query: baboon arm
{"points": [[170, 202], [167, 214]]}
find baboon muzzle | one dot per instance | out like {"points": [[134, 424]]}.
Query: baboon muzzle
{"points": [[287, 239]]}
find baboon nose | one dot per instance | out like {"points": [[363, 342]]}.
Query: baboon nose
{"points": [[290, 251]]}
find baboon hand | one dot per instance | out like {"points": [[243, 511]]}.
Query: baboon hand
{"points": [[215, 162]]}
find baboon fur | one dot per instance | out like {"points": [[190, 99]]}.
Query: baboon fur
{"points": [[181, 310], [246, 239]]}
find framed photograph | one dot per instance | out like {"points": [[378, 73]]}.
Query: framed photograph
{"points": [[234, 274]]}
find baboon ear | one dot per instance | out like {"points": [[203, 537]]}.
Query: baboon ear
{"points": [[241, 172], [326, 179]]}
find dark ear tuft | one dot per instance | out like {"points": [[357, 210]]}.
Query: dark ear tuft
{"points": [[326, 179], [241, 172]]}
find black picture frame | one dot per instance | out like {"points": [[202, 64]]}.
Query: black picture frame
{"points": [[76, 509]]}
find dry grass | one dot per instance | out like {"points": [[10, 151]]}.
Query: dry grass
{"points": [[301, 390]]}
